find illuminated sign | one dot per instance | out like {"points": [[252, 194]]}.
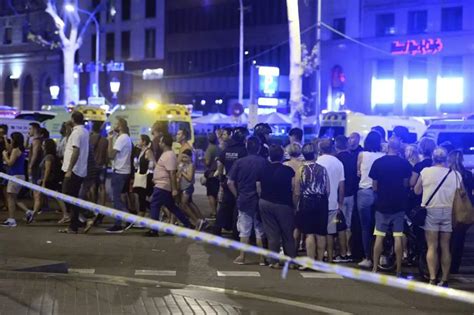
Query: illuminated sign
{"points": [[414, 47], [268, 81]]}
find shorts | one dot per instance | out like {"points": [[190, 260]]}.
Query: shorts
{"points": [[312, 215], [189, 190], [246, 222], [386, 222], [347, 209], [35, 176], [101, 176], [439, 220], [52, 185], [212, 186], [14, 188], [332, 221]]}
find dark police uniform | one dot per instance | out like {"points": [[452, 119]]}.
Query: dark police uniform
{"points": [[227, 214]]}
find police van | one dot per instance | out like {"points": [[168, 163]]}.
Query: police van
{"points": [[140, 119], [459, 132], [344, 123]]}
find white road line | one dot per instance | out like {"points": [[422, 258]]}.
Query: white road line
{"points": [[168, 273], [81, 271], [238, 274], [317, 275]]}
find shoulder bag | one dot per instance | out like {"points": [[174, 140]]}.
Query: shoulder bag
{"points": [[462, 206], [418, 214]]}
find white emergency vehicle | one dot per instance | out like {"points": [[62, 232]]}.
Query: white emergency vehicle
{"points": [[347, 122], [459, 132]]}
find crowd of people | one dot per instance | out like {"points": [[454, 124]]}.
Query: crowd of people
{"points": [[307, 197]]}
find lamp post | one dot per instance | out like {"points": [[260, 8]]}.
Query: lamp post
{"points": [[241, 54], [71, 8], [54, 92], [114, 88]]}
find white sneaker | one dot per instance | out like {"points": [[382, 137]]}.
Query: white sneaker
{"points": [[9, 223], [365, 263]]}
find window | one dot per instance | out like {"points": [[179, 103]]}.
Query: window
{"points": [[150, 35], [126, 8], [460, 140], [150, 9], [417, 22], [7, 36], [110, 46], [385, 24], [125, 45], [451, 19], [383, 84], [452, 67], [111, 11], [340, 25], [93, 47]]}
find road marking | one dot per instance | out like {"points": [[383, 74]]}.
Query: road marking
{"points": [[238, 274], [168, 273], [81, 271], [317, 275]]}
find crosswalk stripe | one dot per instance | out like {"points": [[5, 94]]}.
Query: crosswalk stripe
{"points": [[81, 271], [316, 275], [238, 274], [169, 273]]}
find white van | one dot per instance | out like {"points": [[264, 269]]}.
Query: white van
{"points": [[460, 132], [346, 122], [17, 125]]}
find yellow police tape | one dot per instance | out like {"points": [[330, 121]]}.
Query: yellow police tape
{"points": [[346, 272]]}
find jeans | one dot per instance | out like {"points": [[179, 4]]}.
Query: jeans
{"points": [[72, 187], [365, 201], [347, 208], [279, 224], [163, 198], [118, 182]]}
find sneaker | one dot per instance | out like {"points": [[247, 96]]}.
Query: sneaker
{"points": [[432, 282], [9, 223], [262, 262], [275, 266], [365, 263], [114, 229], [29, 215], [443, 284], [340, 259], [239, 261], [349, 258], [199, 225], [64, 220]]}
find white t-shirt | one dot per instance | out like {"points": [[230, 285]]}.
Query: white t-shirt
{"points": [[122, 160], [79, 138], [335, 170], [368, 158], [444, 197]]}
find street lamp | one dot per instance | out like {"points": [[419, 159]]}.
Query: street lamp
{"points": [[71, 8], [114, 88], [54, 91]]}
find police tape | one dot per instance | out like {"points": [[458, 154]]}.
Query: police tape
{"points": [[346, 272]]}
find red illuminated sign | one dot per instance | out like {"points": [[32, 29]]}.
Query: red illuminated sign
{"points": [[414, 47]]}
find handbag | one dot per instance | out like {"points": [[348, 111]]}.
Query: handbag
{"points": [[418, 214], [462, 206], [140, 180]]}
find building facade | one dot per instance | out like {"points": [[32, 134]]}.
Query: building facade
{"points": [[26, 69], [406, 57]]}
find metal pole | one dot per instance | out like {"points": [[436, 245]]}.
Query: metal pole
{"points": [[241, 55], [317, 100]]}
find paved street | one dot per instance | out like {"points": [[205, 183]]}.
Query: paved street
{"points": [[129, 273]]}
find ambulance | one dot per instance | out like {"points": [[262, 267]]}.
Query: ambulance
{"points": [[347, 122], [141, 118], [459, 132], [63, 114]]}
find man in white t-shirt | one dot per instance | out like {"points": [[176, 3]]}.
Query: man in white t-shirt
{"points": [[75, 166], [335, 170], [120, 151]]}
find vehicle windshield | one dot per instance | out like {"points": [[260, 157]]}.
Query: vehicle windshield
{"points": [[460, 140], [330, 132]]}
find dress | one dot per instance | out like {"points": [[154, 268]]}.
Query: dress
{"points": [[312, 214]]}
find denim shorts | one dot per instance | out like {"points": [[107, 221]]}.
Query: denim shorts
{"points": [[347, 209], [246, 222], [439, 220], [332, 221], [189, 190], [389, 222]]}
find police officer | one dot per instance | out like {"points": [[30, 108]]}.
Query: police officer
{"points": [[235, 149], [263, 131]]}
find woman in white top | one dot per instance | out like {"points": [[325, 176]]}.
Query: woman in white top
{"points": [[438, 224], [366, 195]]}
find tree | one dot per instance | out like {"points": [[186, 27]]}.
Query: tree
{"points": [[296, 69]]}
